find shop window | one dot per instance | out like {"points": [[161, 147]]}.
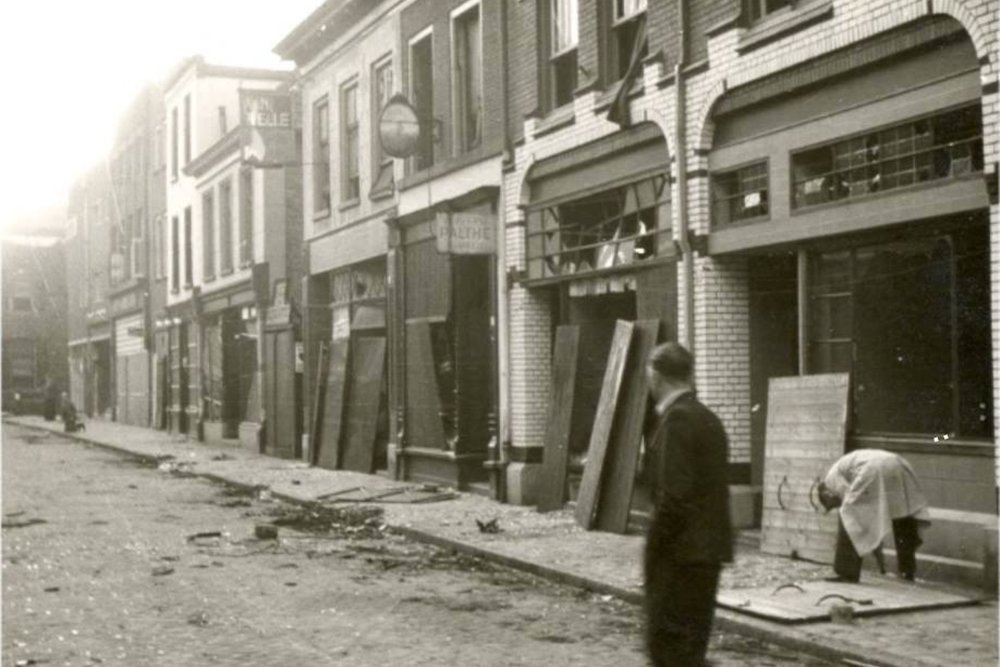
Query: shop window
{"points": [[422, 98], [19, 358], [614, 228], [627, 40], [246, 217], [946, 146], [564, 37], [758, 9], [188, 249], [382, 89], [468, 79], [740, 195], [351, 180], [208, 233], [910, 320], [226, 226], [321, 156]]}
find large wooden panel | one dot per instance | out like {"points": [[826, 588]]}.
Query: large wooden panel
{"points": [[553, 492], [328, 453], [423, 404], [586, 499], [362, 410], [623, 452], [805, 435], [318, 399], [811, 601]]}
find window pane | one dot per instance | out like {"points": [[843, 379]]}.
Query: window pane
{"points": [[565, 25]]}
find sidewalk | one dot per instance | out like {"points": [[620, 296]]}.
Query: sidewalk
{"points": [[553, 546]]}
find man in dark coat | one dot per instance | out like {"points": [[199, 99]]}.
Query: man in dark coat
{"points": [[690, 536]]}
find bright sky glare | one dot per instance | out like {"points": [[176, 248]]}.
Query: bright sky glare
{"points": [[71, 68]]}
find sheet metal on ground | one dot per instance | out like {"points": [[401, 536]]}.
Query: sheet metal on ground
{"points": [[811, 601]]}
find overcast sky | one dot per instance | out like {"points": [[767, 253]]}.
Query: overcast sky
{"points": [[71, 67]]}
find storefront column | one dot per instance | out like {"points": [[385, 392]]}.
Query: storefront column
{"points": [[530, 313]]}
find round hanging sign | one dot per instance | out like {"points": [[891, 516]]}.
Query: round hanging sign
{"points": [[399, 127]]}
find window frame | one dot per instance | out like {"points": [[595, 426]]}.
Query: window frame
{"points": [[225, 225], [425, 157], [322, 194], [247, 214], [931, 149], [615, 66], [208, 223], [560, 58], [462, 84], [382, 163], [174, 143], [187, 128], [175, 254], [188, 248], [350, 143], [756, 11], [717, 224]]}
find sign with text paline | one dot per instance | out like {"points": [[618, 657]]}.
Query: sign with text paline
{"points": [[466, 233]]}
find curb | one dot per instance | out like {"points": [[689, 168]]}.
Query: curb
{"points": [[785, 636]]}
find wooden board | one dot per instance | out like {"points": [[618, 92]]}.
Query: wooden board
{"points": [[362, 410], [423, 405], [586, 500], [623, 452], [788, 604], [328, 452], [319, 396], [805, 434], [553, 491]]}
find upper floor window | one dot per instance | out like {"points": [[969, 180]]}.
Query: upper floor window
{"points": [[321, 156], [350, 174], [564, 36], [382, 89], [159, 247], [246, 217], [175, 254], [740, 194], [159, 149], [188, 249], [758, 9], [187, 129], [174, 143], [226, 226], [628, 42], [208, 233], [468, 79], [223, 121], [948, 145], [422, 97]]}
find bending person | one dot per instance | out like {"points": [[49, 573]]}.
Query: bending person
{"points": [[876, 491]]}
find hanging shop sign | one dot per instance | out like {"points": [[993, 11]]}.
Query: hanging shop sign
{"points": [[466, 233], [266, 109]]}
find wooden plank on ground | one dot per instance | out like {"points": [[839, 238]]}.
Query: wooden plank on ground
{"points": [[328, 455], [319, 402], [620, 464], [553, 491], [362, 410], [806, 432], [423, 404], [586, 499]]}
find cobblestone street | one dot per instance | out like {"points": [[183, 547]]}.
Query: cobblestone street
{"points": [[100, 566]]}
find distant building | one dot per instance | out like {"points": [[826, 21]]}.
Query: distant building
{"points": [[33, 320], [231, 249]]}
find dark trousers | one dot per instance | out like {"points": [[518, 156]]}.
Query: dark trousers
{"points": [[847, 562], [680, 605]]}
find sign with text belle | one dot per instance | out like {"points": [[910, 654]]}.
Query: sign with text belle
{"points": [[466, 233]]}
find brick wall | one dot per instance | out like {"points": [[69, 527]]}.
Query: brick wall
{"points": [[721, 314]]}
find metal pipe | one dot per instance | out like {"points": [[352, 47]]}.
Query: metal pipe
{"points": [[680, 163]]}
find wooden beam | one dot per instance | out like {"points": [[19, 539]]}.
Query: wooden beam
{"points": [[553, 492], [590, 484]]}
